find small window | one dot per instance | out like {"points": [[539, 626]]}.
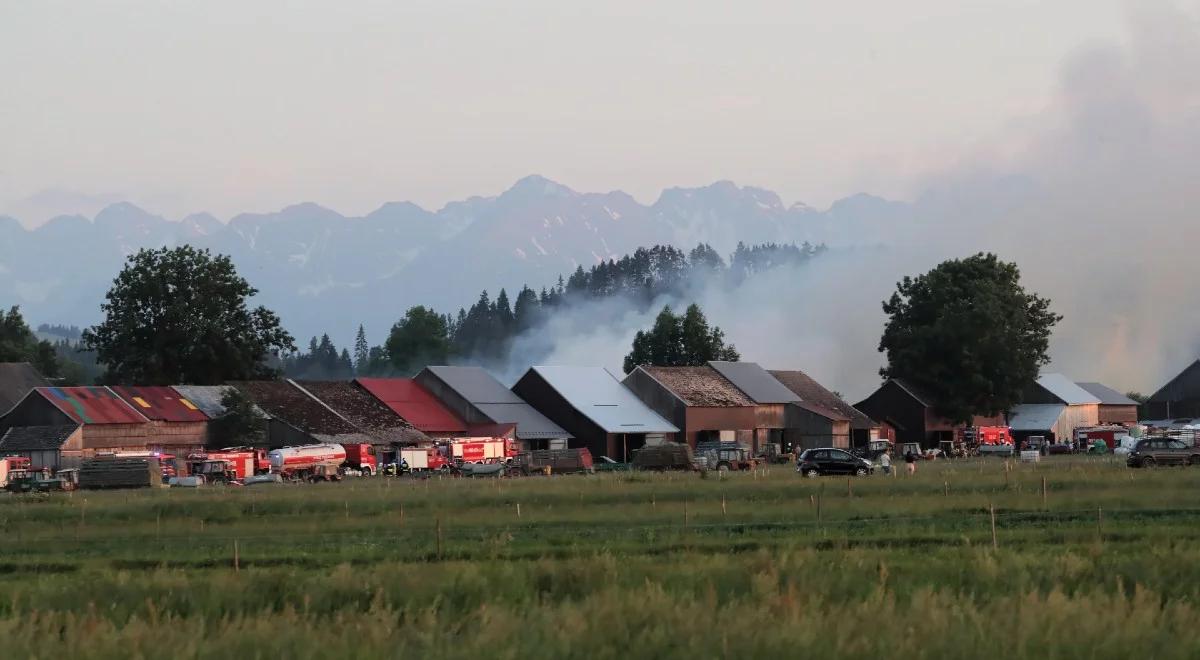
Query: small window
{"points": [[1175, 444], [819, 455], [840, 455]]}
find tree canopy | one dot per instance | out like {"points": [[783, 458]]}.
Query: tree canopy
{"points": [[968, 334], [19, 344], [679, 341], [180, 315], [421, 337]]}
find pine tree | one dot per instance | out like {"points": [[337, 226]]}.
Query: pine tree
{"points": [[362, 351]]}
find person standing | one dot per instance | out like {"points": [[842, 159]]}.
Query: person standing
{"points": [[885, 462], [910, 460]]}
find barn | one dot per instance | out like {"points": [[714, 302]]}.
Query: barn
{"points": [[107, 422], [862, 429], [387, 430], [698, 400], [778, 419], [51, 447], [175, 421], [1178, 399], [911, 417], [593, 406], [1053, 407], [477, 398], [296, 418], [416, 405], [1115, 408]]}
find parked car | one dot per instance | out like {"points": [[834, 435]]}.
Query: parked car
{"points": [[1150, 452], [1060, 448], [817, 462]]}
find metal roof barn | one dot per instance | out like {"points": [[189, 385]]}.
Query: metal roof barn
{"points": [[600, 397], [414, 403], [1107, 395], [476, 396], [92, 405], [812, 392], [1066, 391], [161, 403], [17, 379], [752, 379], [1036, 416], [206, 397]]}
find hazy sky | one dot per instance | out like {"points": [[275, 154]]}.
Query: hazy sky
{"points": [[235, 106]]}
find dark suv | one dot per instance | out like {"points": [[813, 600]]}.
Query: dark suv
{"points": [[816, 462], [1162, 451]]}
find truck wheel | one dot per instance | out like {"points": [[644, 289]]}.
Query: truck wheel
{"points": [[1148, 462], [366, 472]]}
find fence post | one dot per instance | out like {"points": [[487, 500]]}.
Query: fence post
{"points": [[1100, 524], [723, 511], [1044, 508], [438, 527], [992, 510], [236, 564], [518, 510], [849, 488]]}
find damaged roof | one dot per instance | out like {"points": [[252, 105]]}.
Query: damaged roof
{"points": [[497, 402], [161, 403], [205, 397], [283, 401], [35, 438], [812, 392], [596, 394], [363, 410], [699, 386], [414, 403], [755, 382]]}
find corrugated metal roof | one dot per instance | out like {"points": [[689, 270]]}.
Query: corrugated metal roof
{"points": [[414, 403], [699, 386], [752, 379], [205, 397], [475, 384], [1107, 395], [363, 410], [92, 405], [812, 392], [16, 380], [600, 397], [1065, 390], [499, 403], [35, 438], [1035, 416], [161, 403]]}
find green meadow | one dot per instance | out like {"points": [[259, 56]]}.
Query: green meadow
{"points": [[1074, 557]]}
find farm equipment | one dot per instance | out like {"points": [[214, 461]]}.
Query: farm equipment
{"points": [[13, 468], [120, 472], [771, 453], [214, 470], [724, 456], [555, 460], [665, 456], [227, 465]]}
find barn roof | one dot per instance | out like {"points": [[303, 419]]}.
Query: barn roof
{"points": [[699, 386], [1185, 385], [752, 379], [363, 410], [414, 403], [813, 393], [161, 403], [16, 380], [600, 397], [498, 402], [205, 397], [92, 405], [1107, 395], [291, 405], [1035, 416], [35, 438], [1065, 390]]}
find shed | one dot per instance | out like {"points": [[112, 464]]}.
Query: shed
{"points": [[697, 400], [1045, 419], [295, 418], [408, 399], [51, 447], [1178, 399], [595, 408], [16, 380], [1115, 408], [771, 405], [108, 422], [863, 429], [477, 398], [909, 411], [175, 421], [1082, 407]]}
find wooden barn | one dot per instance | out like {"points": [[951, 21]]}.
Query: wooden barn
{"points": [[296, 418], [51, 447], [1178, 399], [387, 430], [862, 429], [108, 422], [774, 411], [1115, 408], [595, 408], [698, 400], [910, 415], [1053, 407], [175, 421]]}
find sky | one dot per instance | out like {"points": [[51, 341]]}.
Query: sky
{"points": [[228, 107]]}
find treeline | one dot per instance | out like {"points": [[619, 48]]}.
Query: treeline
{"points": [[62, 361], [484, 332]]}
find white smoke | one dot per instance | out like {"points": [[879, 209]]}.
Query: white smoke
{"points": [[1096, 200]]}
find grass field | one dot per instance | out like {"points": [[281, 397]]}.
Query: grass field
{"points": [[1106, 565]]}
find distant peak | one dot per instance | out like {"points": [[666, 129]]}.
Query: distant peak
{"points": [[538, 185]]}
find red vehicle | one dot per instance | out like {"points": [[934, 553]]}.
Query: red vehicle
{"points": [[987, 435], [1086, 437], [322, 462], [483, 450], [422, 459], [240, 462], [13, 467]]}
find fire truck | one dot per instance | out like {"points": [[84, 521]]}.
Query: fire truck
{"points": [[230, 464], [13, 468], [323, 462], [424, 459], [483, 450]]}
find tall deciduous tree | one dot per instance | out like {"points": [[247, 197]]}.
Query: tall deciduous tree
{"points": [[19, 344], [677, 341], [418, 339], [180, 315], [969, 335]]}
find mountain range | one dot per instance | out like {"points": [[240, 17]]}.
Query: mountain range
{"points": [[325, 272]]}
